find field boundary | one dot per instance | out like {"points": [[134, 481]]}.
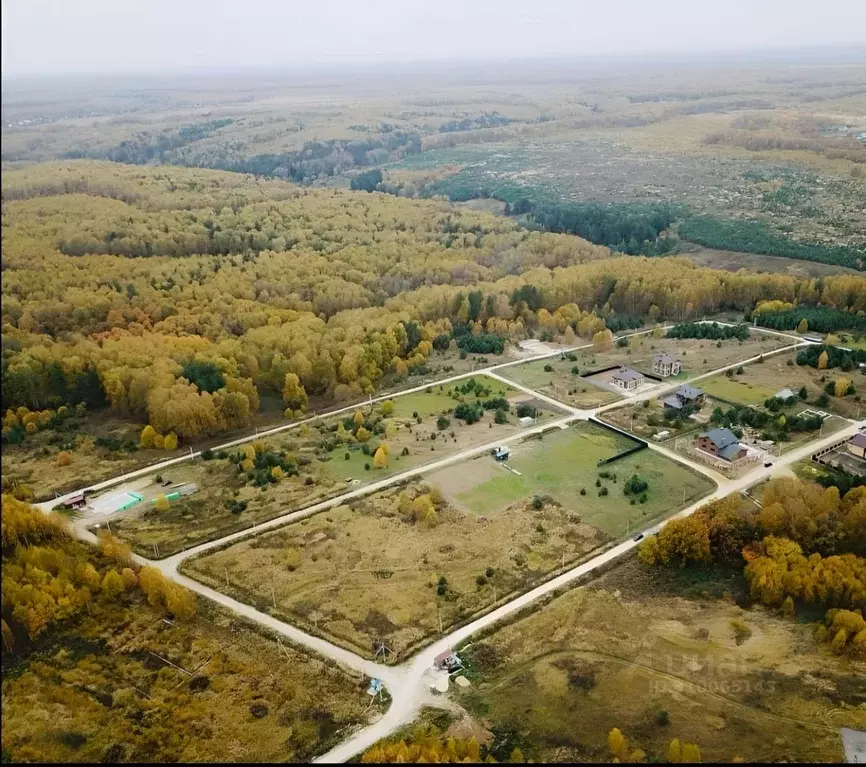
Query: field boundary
{"points": [[641, 443]]}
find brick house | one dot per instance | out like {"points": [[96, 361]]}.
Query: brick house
{"points": [[722, 443]]}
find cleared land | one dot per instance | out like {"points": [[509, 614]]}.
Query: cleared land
{"points": [[102, 445], [368, 572], [565, 462], [326, 461], [102, 693], [759, 381], [698, 356], [633, 652]]}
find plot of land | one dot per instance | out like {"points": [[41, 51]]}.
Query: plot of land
{"points": [[366, 573], [562, 379], [659, 666], [101, 692], [565, 462], [103, 445], [327, 462], [758, 381]]}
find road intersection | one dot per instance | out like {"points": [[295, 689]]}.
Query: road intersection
{"points": [[408, 683]]}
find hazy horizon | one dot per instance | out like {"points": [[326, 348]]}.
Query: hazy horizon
{"points": [[96, 37]]}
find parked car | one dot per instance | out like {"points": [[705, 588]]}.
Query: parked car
{"points": [[638, 537], [767, 464]]}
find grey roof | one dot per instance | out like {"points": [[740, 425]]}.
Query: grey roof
{"points": [[784, 394], [859, 440], [665, 359], [627, 374], [854, 743], [721, 438], [729, 451], [673, 401], [689, 392]]}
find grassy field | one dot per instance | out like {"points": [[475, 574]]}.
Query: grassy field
{"points": [[34, 462], [759, 381], [698, 356], [628, 653], [101, 692], [325, 467], [366, 572], [738, 390], [562, 464]]}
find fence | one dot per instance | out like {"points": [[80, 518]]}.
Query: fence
{"points": [[640, 443]]}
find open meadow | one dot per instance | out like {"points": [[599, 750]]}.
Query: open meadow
{"points": [[564, 465], [561, 377], [759, 381], [110, 693], [388, 569], [256, 482], [658, 658]]}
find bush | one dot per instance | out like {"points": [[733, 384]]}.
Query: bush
{"points": [[525, 410], [500, 417], [537, 502], [207, 454], [602, 491], [635, 485], [346, 456], [366, 467], [490, 572], [481, 580], [443, 422], [548, 368], [583, 491]]}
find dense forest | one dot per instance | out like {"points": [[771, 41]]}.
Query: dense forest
{"points": [[755, 237], [822, 319], [632, 229], [182, 296]]}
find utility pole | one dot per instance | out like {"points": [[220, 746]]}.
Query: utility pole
{"points": [[227, 576], [273, 595]]}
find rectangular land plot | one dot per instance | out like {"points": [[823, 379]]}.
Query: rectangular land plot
{"points": [[565, 462], [328, 462], [562, 379], [366, 572], [761, 380], [637, 649]]}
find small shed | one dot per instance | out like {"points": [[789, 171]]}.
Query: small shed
{"points": [[447, 660], [526, 421], [784, 394]]}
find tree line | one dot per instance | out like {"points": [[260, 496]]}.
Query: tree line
{"points": [[712, 330], [756, 237], [340, 292], [805, 545]]}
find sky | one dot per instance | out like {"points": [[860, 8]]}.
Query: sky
{"points": [[141, 36]]}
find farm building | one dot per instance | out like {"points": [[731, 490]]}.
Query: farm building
{"points": [[857, 445], [784, 394], [721, 443], [526, 421], [666, 365], [118, 502], [628, 379]]}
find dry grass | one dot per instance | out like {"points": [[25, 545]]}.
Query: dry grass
{"points": [[360, 573], [99, 693], [737, 683], [206, 515]]}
